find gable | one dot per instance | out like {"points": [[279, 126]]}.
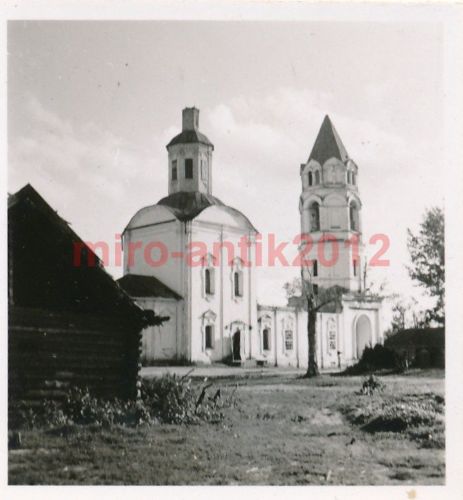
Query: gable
{"points": [[44, 267]]}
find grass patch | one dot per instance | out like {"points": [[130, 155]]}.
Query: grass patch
{"points": [[281, 431]]}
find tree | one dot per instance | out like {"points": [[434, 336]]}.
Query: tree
{"points": [[314, 298], [405, 314], [427, 255]]}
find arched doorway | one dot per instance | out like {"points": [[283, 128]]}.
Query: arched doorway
{"points": [[237, 346], [363, 334]]}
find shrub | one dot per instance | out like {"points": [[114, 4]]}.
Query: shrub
{"points": [[173, 399], [398, 417], [375, 358], [420, 417], [21, 415], [167, 399], [371, 385]]}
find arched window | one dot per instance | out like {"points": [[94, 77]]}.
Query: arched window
{"points": [[208, 330], [266, 339], [354, 180], [310, 177], [314, 216], [238, 283], [209, 281], [349, 181], [317, 176], [353, 216]]}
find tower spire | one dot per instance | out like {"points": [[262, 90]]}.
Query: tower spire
{"points": [[328, 144], [330, 203]]}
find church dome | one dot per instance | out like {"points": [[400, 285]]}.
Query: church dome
{"points": [[189, 137], [186, 206], [190, 186]]}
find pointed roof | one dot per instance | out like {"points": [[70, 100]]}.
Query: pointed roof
{"points": [[49, 278], [328, 144]]}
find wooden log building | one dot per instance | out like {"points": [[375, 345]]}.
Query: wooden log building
{"points": [[70, 324]]}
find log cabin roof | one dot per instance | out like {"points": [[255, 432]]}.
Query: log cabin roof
{"points": [[43, 272], [137, 285]]}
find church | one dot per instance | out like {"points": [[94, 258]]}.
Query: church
{"points": [[190, 258]]}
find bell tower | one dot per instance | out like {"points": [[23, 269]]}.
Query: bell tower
{"points": [[190, 157], [330, 210]]}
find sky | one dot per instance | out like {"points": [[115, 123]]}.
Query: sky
{"points": [[91, 106]]}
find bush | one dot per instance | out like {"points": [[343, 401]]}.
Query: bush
{"points": [[168, 399], [173, 399], [375, 358], [371, 385], [401, 416], [80, 407], [420, 417]]}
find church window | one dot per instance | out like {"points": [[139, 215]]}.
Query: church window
{"points": [[331, 336], [188, 168], [266, 339], [310, 178], [209, 336], [174, 170], [209, 281], [353, 217], [354, 180], [355, 266], [315, 267], [349, 177], [288, 340], [314, 213], [317, 176], [238, 283]]}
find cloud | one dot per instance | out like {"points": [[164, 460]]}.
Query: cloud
{"points": [[89, 175], [260, 144], [98, 180]]}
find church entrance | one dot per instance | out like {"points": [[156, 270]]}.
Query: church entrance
{"points": [[237, 346], [363, 334]]}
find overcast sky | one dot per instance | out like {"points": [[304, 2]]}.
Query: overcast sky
{"points": [[93, 104]]}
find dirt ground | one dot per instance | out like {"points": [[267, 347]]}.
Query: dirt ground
{"points": [[283, 431]]}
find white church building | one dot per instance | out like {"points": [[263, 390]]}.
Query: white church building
{"points": [[191, 258]]}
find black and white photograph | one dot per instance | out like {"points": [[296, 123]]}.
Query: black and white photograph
{"points": [[226, 236]]}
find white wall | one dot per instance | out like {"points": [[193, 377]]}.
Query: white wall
{"points": [[170, 234], [336, 334], [222, 309], [163, 341], [279, 320]]}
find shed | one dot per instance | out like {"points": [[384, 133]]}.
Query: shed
{"points": [[70, 323]]}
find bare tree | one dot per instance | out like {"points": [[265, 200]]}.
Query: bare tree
{"points": [[314, 298]]}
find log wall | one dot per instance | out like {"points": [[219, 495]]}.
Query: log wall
{"points": [[52, 351]]}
